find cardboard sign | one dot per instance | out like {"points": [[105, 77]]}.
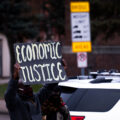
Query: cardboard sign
{"points": [[40, 62]]}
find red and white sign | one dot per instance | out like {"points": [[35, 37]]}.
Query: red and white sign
{"points": [[82, 59]]}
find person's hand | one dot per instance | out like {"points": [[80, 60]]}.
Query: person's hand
{"points": [[16, 71]]}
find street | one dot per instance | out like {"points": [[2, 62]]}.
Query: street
{"points": [[4, 117]]}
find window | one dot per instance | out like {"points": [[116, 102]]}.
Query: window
{"points": [[92, 100]]}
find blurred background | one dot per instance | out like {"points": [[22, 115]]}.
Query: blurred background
{"points": [[49, 20]]}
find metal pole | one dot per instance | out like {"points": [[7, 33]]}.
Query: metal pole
{"points": [[82, 71]]}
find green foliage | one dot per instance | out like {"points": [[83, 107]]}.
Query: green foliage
{"points": [[105, 15], [56, 11], [16, 19], [36, 87], [17, 22], [3, 88]]}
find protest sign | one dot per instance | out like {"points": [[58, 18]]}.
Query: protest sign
{"points": [[40, 62]]}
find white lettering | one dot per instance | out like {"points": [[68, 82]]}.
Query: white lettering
{"points": [[39, 78], [17, 52], [22, 53], [52, 71], [60, 71], [41, 51], [46, 49], [35, 48], [48, 71], [23, 73], [53, 51], [29, 53], [58, 56], [43, 74], [28, 75]]}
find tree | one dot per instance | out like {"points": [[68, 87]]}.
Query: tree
{"points": [[54, 16], [17, 22], [105, 15]]}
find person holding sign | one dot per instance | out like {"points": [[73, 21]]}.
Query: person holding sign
{"points": [[37, 63], [54, 108], [21, 102]]}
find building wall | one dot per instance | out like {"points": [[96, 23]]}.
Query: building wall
{"points": [[5, 57], [99, 58], [105, 52]]}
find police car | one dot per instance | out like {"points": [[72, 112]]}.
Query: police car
{"points": [[93, 98]]}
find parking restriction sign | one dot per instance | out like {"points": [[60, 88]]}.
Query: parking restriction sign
{"points": [[82, 59], [80, 27], [79, 6]]}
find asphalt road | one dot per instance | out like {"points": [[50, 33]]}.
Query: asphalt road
{"points": [[4, 117]]}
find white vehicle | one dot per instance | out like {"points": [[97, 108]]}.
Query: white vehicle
{"points": [[91, 100]]}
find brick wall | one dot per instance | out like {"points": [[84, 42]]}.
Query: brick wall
{"points": [[96, 61]]}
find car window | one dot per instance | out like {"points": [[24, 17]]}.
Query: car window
{"points": [[92, 100], [67, 93]]}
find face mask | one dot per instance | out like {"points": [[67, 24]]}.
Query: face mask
{"points": [[25, 92], [54, 99]]}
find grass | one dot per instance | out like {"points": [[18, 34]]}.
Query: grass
{"points": [[36, 88], [3, 88]]}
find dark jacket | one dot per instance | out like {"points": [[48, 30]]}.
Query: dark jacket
{"points": [[20, 109], [62, 114], [54, 108]]}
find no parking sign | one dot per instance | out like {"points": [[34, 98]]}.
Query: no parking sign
{"points": [[82, 59]]}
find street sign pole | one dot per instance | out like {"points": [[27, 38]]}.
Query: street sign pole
{"points": [[82, 71], [80, 31]]}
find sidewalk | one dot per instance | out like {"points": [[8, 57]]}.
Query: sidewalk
{"points": [[4, 80], [3, 108]]}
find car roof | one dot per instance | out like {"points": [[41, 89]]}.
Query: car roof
{"points": [[88, 83]]}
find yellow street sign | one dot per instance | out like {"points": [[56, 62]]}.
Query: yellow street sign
{"points": [[80, 6], [81, 46]]}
